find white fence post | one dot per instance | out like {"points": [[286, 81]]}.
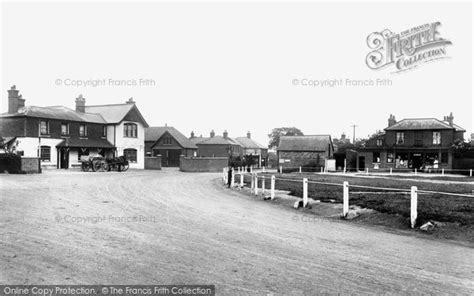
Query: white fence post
{"points": [[413, 206], [345, 198], [251, 169], [442, 172], [345, 165], [366, 171], [416, 171], [305, 192], [232, 180], [252, 183], [281, 169], [390, 171], [256, 184], [470, 173], [272, 188], [241, 180], [224, 175], [263, 185], [300, 169]]}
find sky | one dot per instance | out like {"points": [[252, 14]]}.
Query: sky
{"points": [[236, 66]]}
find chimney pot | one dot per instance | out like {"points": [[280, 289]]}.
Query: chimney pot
{"points": [[80, 104], [249, 135], [15, 101], [225, 134], [213, 134], [192, 134], [130, 101]]}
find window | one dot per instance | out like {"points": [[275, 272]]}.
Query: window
{"points": [[45, 153], [64, 129], [400, 138], [436, 138], [82, 152], [82, 130], [379, 142], [130, 130], [444, 157], [131, 154], [44, 127], [390, 157], [104, 131], [167, 141], [376, 157]]}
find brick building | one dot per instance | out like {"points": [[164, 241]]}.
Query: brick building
{"points": [[254, 149], [169, 143], [305, 151], [414, 143], [60, 136], [219, 146]]}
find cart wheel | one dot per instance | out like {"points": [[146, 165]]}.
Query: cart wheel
{"points": [[97, 166], [125, 167], [85, 167]]}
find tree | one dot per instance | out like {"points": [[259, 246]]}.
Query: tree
{"points": [[282, 131]]}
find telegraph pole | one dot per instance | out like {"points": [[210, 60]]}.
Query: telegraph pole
{"points": [[353, 133]]}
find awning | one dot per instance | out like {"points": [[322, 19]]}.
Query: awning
{"points": [[86, 143]]}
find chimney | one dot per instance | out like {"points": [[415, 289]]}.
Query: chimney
{"points": [[225, 134], [343, 137], [192, 134], [80, 104], [213, 134], [391, 120], [450, 119], [248, 135], [130, 101], [15, 101]]}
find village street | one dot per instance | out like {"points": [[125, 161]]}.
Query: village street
{"points": [[168, 227]]}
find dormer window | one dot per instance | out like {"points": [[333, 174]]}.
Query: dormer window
{"points": [[167, 141], [130, 130]]}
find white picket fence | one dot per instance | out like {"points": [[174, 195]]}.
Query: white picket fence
{"points": [[345, 189]]}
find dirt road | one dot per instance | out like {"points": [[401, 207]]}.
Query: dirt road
{"points": [[167, 227]]}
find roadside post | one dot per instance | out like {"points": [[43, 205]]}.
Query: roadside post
{"points": [[281, 169], [232, 179], [413, 206], [252, 183], [241, 180], [470, 173], [390, 171], [256, 184], [272, 188], [366, 171], [305, 192], [442, 172], [300, 169], [416, 171], [263, 185], [345, 198]]}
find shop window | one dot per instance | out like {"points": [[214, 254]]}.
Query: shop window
{"points": [[131, 154], [45, 153], [390, 157]]}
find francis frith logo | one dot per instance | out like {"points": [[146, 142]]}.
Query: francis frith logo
{"points": [[406, 50]]}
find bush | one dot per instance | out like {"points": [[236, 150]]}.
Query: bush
{"points": [[11, 163]]}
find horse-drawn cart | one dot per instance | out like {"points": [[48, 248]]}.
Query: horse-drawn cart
{"points": [[102, 164]]}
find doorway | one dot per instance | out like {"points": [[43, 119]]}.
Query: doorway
{"points": [[64, 158], [416, 160], [362, 163]]}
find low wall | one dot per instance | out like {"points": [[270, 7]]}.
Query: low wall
{"points": [[202, 164], [153, 163], [30, 165]]}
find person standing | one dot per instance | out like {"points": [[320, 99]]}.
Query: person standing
{"points": [[229, 176]]}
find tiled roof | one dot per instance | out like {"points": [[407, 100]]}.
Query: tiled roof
{"points": [[422, 124], [304, 143], [197, 140], [113, 113], [249, 143], [57, 112], [85, 143], [219, 140], [154, 133]]}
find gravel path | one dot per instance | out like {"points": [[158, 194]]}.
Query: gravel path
{"points": [[167, 227]]}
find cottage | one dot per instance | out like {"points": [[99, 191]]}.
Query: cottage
{"points": [[219, 146], [413, 143], [169, 143], [254, 149], [60, 136], [305, 151]]}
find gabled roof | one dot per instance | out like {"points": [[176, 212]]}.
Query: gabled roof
{"points": [[116, 113], [304, 143], [219, 140], [56, 112], [422, 124], [156, 132], [249, 143]]}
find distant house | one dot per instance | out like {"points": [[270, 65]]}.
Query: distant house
{"points": [[219, 146], [169, 143], [305, 151], [60, 136], [252, 148], [413, 143]]}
